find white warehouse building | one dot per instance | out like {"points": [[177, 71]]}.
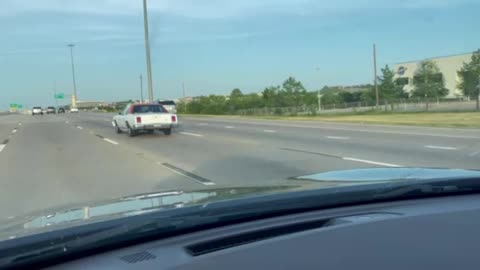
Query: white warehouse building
{"points": [[448, 65]]}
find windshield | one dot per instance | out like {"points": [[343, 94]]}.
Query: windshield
{"points": [[168, 105], [148, 109]]}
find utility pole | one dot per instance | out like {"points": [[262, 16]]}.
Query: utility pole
{"points": [[55, 93], [319, 97], [74, 96], [141, 88], [147, 49], [477, 106], [184, 100], [376, 77]]}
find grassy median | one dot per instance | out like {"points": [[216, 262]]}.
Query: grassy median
{"points": [[448, 119]]}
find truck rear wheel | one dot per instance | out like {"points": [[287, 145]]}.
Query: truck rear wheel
{"points": [[167, 131], [117, 128]]}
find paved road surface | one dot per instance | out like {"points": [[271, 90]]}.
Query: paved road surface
{"points": [[53, 160]]}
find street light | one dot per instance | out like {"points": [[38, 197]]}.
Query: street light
{"points": [[141, 88], [147, 49], [319, 96], [74, 96]]}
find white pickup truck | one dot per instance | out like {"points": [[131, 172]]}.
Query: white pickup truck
{"points": [[149, 117]]}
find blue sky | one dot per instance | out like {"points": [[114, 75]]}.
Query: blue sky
{"points": [[217, 45]]}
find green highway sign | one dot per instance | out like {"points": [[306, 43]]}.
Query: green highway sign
{"points": [[60, 96]]}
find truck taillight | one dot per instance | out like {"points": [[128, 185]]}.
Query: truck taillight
{"points": [[174, 118], [139, 120]]}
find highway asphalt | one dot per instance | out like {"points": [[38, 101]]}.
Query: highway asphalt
{"points": [[67, 159]]}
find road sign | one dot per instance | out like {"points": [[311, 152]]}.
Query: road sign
{"points": [[13, 106], [60, 96]]}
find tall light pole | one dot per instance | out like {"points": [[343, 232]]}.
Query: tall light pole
{"points": [[74, 96], [184, 100], [55, 93], [141, 88], [375, 73], [147, 49]]}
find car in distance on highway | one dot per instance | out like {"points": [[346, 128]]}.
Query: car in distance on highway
{"points": [[73, 110], [136, 118], [61, 110], [37, 111], [169, 105], [51, 110]]}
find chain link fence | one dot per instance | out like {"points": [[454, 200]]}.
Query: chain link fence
{"points": [[401, 105]]}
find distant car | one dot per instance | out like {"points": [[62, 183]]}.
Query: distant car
{"points": [[61, 110], [37, 111], [169, 105], [51, 110], [73, 110], [149, 117]]}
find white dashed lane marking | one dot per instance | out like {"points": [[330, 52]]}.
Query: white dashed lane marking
{"points": [[269, 131], [110, 141], [440, 147], [2, 146], [371, 162], [191, 134], [229, 127], [474, 153], [337, 138], [80, 127], [202, 124]]}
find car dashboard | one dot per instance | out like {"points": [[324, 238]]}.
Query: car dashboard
{"points": [[435, 233]]}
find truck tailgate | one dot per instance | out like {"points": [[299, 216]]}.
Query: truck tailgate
{"points": [[153, 119]]}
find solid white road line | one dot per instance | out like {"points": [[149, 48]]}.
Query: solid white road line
{"points": [[229, 127], [191, 134], [1, 147], [80, 127], [269, 131], [110, 141], [371, 162], [440, 147], [337, 138]]}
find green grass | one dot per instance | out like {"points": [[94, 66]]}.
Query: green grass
{"points": [[432, 119]]}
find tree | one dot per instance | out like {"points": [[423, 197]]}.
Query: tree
{"points": [[331, 98], [294, 90], [388, 87], [428, 81], [236, 93], [236, 100], [470, 78]]}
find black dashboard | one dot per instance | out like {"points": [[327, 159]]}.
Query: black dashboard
{"points": [[435, 233]]}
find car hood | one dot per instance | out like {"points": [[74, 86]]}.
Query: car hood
{"points": [[74, 215], [63, 217]]}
